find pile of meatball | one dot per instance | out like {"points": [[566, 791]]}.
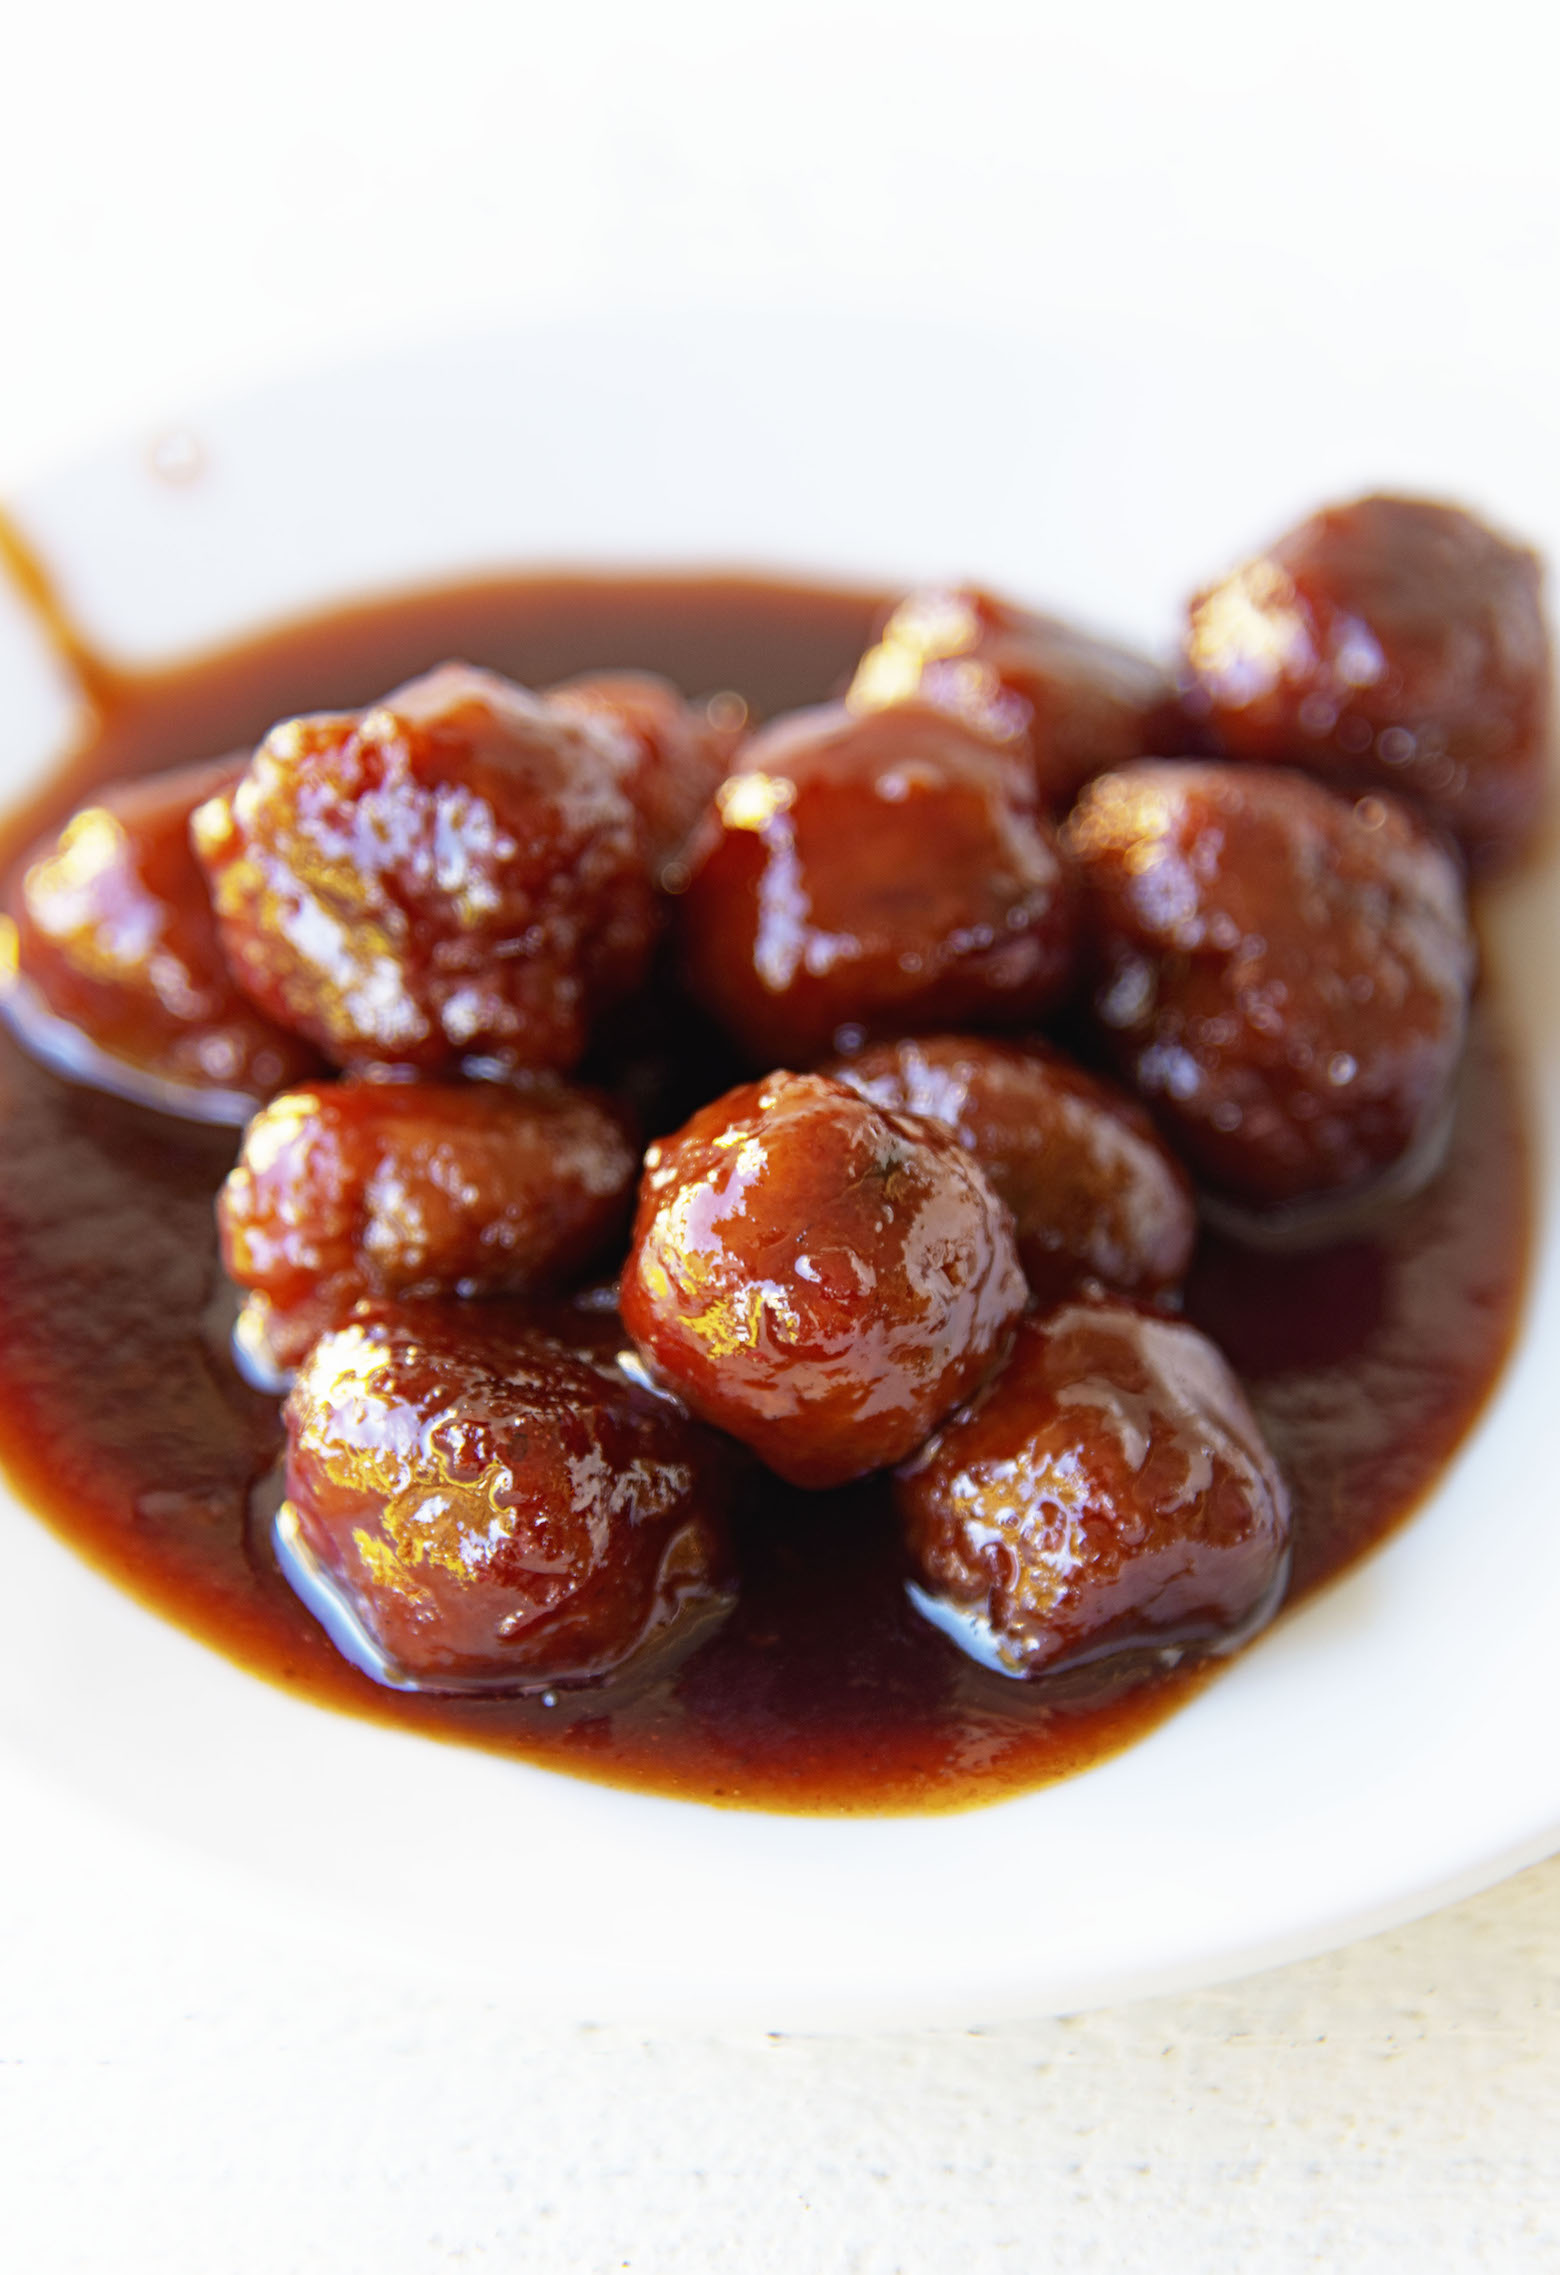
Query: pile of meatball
{"points": [[919, 1237]]}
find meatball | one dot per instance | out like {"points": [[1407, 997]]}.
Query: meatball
{"points": [[873, 873], [117, 975], [455, 873], [353, 1189], [1075, 704], [1281, 972], [1390, 643], [821, 1278], [1110, 1492], [682, 751], [472, 1504], [1093, 1193]]}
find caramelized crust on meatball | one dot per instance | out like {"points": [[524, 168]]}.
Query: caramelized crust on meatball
{"points": [[873, 873], [1093, 1193], [473, 1504], [456, 873], [118, 975], [1281, 972], [1075, 704], [1109, 1492], [821, 1278], [1393, 644], [352, 1189], [682, 751]]}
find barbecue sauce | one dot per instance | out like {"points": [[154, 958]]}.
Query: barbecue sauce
{"points": [[124, 1424]]}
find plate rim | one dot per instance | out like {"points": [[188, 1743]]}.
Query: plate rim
{"points": [[814, 1988]]}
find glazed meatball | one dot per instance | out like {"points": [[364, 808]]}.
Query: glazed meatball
{"points": [[821, 1278], [1075, 704], [682, 751], [873, 874], [353, 1189], [472, 1504], [118, 976], [1110, 1492], [1282, 973], [1093, 1193], [456, 873], [1390, 643]]}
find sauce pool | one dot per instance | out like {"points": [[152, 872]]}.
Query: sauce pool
{"points": [[125, 1425]]}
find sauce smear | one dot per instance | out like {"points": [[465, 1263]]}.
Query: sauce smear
{"points": [[123, 1422]]}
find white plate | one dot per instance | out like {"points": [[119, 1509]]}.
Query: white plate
{"points": [[1388, 1747]]}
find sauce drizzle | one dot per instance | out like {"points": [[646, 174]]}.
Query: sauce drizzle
{"points": [[124, 1424]]}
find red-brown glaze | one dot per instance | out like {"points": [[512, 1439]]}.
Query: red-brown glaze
{"points": [[1093, 1193], [118, 971], [1390, 644], [492, 1505], [124, 1423], [821, 1278], [1073, 704], [682, 750], [862, 875], [1108, 1491], [1281, 972], [456, 873], [350, 1189]]}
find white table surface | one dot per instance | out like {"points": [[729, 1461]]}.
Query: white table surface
{"points": [[196, 198], [187, 2088]]}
